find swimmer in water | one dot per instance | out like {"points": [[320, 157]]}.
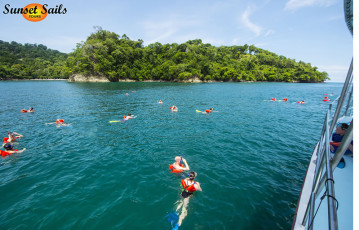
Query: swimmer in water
{"points": [[9, 149], [58, 122], [177, 167], [189, 187], [13, 136], [129, 116]]}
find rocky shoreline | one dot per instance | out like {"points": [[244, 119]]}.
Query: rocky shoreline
{"points": [[92, 78]]}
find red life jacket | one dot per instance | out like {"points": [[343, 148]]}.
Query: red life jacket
{"points": [[208, 111], [5, 153], [59, 121], [189, 188], [6, 139], [173, 170]]}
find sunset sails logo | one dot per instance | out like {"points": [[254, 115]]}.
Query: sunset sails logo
{"points": [[35, 12]]}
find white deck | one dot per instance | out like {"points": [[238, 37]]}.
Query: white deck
{"points": [[344, 194]]}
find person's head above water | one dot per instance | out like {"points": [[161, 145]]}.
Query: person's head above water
{"points": [[192, 175], [178, 159], [8, 146]]}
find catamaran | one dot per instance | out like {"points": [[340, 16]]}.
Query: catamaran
{"points": [[326, 197]]}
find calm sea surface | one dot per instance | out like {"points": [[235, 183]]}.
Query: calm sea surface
{"points": [[250, 154]]}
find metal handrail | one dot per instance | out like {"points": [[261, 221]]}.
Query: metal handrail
{"points": [[342, 97], [332, 211], [324, 159], [348, 103]]}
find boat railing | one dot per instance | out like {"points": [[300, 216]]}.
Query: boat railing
{"points": [[325, 164]]}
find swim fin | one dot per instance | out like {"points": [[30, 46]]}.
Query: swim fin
{"points": [[173, 219], [175, 227]]}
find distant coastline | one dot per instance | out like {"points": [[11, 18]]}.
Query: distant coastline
{"points": [[107, 57], [99, 79]]}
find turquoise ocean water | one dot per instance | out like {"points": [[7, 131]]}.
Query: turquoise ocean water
{"points": [[250, 155]]}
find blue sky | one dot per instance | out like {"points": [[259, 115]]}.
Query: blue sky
{"points": [[312, 31]]}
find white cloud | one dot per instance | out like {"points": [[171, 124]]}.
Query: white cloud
{"points": [[256, 29], [293, 5], [159, 31], [269, 32], [166, 30], [249, 24]]}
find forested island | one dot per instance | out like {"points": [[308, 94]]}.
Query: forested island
{"points": [[109, 56]]}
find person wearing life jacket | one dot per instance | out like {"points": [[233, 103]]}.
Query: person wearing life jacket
{"points": [[129, 116], [189, 187], [337, 138], [285, 99], [31, 110], [177, 167], [209, 110], [9, 149], [301, 102], [160, 102], [60, 122], [174, 108], [12, 136], [274, 99]]}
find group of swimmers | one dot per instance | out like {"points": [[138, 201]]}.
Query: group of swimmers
{"points": [[286, 99], [175, 108], [189, 186], [275, 99], [8, 144]]}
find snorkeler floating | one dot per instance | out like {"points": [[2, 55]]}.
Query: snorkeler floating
{"points": [[59, 123], [189, 187], [174, 108], [12, 136], [125, 118], [177, 167], [9, 149], [31, 110], [129, 116]]}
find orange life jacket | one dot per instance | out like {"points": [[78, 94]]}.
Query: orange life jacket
{"points": [[173, 170], [335, 143], [59, 121], [189, 188]]}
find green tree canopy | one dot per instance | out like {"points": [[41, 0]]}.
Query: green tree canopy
{"points": [[115, 57]]}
